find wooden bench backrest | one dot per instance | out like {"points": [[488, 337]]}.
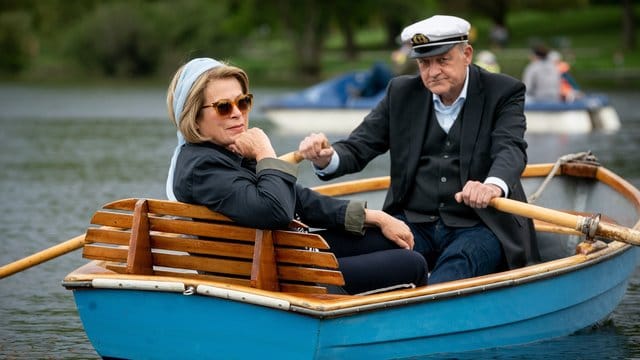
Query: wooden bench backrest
{"points": [[157, 237]]}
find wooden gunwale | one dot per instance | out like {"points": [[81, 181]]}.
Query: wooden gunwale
{"points": [[325, 304]]}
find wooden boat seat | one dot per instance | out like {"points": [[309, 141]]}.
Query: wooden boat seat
{"points": [[157, 237]]}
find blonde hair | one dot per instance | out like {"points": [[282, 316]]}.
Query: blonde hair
{"points": [[187, 124]]}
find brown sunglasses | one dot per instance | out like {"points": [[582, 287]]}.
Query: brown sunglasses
{"points": [[224, 107]]}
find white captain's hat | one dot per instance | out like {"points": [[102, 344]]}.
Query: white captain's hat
{"points": [[435, 35]]}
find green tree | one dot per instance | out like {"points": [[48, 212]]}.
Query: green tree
{"points": [[17, 41], [396, 15], [117, 40], [628, 25], [306, 25], [350, 16]]}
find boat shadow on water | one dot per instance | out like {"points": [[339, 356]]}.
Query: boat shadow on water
{"points": [[596, 342]]}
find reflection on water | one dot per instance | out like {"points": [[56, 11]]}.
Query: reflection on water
{"points": [[591, 344], [64, 153]]}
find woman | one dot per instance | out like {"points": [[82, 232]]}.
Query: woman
{"points": [[223, 164]]}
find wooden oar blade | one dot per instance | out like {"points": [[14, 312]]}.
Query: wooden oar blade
{"points": [[619, 233], [561, 218]]}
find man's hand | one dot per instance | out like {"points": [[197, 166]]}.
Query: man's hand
{"points": [[478, 195], [317, 149]]}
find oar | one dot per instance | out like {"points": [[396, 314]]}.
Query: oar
{"points": [[576, 222], [42, 256], [293, 157], [556, 217]]}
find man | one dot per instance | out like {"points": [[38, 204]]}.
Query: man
{"points": [[455, 134]]}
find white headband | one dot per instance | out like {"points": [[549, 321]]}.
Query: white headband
{"points": [[191, 72]]}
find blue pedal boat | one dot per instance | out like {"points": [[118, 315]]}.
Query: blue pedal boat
{"points": [[334, 106]]}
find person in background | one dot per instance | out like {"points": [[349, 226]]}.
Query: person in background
{"points": [[222, 163], [455, 137], [541, 76], [487, 60], [499, 35], [377, 79], [400, 61], [569, 88], [380, 74]]}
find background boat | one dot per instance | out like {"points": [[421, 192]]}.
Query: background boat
{"points": [[133, 316], [335, 106]]}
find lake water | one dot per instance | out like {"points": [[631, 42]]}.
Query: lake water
{"points": [[65, 152]]}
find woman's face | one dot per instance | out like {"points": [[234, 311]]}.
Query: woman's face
{"points": [[222, 129]]}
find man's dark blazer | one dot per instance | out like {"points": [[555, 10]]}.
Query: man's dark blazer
{"points": [[492, 144]]}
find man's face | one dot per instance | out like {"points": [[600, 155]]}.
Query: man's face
{"points": [[444, 74]]}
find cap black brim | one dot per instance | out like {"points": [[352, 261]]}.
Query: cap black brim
{"points": [[427, 51]]}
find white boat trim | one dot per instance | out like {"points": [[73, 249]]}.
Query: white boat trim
{"points": [[244, 297], [131, 284]]}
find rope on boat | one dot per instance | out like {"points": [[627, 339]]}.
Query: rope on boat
{"points": [[581, 156]]}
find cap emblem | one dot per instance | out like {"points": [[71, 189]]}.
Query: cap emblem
{"points": [[419, 39]]}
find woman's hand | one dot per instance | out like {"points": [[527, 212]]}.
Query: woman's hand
{"points": [[317, 149], [392, 228], [253, 144]]}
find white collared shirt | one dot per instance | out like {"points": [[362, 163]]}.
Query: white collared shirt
{"points": [[447, 114]]}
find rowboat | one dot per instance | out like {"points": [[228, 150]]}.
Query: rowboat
{"points": [[333, 106], [133, 305]]}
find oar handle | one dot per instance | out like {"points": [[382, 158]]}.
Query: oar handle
{"points": [[604, 229], [293, 157], [535, 212], [42, 256]]}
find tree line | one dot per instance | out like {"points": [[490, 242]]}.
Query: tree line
{"points": [[139, 38]]}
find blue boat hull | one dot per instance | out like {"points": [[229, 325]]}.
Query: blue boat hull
{"points": [[165, 325], [513, 315], [145, 324]]}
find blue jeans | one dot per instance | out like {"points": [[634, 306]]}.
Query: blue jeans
{"points": [[457, 253]]}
